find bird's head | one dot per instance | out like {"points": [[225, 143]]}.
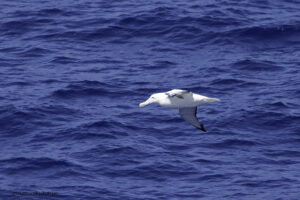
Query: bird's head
{"points": [[154, 98]]}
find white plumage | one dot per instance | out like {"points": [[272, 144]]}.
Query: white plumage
{"points": [[183, 100]]}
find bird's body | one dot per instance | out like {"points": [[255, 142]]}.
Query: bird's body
{"points": [[183, 100]]}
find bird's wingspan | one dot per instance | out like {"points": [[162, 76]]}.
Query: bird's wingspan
{"points": [[189, 115]]}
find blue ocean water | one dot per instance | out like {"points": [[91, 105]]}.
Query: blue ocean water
{"points": [[72, 74]]}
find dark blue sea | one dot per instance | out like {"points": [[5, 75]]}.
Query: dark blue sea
{"points": [[72, 74]]}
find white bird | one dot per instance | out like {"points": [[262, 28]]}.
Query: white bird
{"points": [[183, 100]]}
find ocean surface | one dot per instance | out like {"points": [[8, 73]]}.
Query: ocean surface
{"points": [[72, 74]]}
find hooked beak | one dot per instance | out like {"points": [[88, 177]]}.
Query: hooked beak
{"points": [[147, 102]]}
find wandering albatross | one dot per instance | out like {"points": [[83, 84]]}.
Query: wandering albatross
{"points": [[183, 100]]}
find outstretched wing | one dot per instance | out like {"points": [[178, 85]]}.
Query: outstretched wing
{"points": [[177, 93], [190, 115]]}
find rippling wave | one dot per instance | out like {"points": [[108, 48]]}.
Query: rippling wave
{"points": [[73, 75]]}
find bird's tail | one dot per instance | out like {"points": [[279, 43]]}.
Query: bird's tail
{"points": [[210, 100]]}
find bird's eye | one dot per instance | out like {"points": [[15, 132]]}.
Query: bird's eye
{"points": [[152, 97]]}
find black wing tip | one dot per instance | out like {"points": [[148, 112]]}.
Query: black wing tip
{"points": [[202, 128]]}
